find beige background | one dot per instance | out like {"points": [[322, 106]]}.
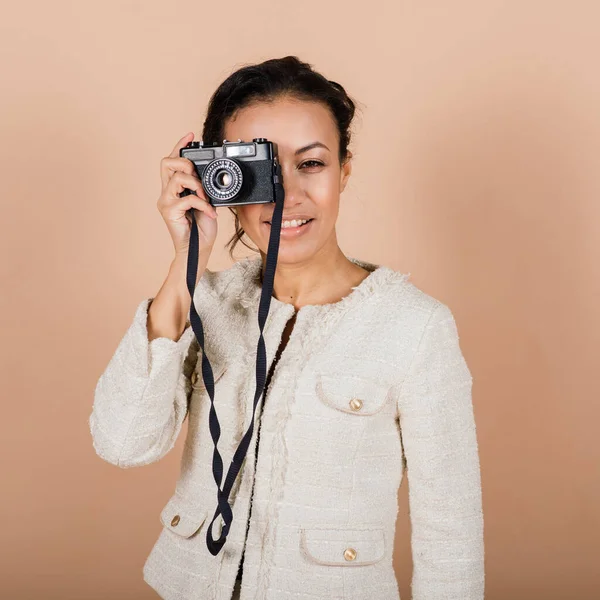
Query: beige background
{"points": [[476, 169]]}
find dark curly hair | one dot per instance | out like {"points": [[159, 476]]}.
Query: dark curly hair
{"points": [[267, 81]]}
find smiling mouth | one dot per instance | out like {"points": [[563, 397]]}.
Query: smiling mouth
{"points": [[282, 227]]}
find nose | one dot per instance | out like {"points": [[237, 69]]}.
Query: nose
{"points": [[292, 187]]}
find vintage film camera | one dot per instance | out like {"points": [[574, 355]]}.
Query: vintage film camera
{"points": [[236, 172]]}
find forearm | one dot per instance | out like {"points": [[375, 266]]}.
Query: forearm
{"points": [[169, 310]]}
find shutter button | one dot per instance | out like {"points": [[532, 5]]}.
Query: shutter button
{"points": [[175, 520], [356, 404], [349, 553]]}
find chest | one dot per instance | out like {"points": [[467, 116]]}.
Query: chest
{"points": [[320, 364]]}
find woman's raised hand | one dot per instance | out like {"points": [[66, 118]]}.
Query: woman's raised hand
{"points": [[176, 174]]}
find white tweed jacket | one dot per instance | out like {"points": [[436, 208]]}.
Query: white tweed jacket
{"points": [[368, 388]]}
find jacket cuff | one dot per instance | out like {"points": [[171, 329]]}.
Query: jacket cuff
{"points": [[161, 350]]}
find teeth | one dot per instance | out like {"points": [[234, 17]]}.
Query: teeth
{"points": [[293, 223]]}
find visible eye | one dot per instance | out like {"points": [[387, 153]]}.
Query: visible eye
{"points": [[311, 164]]}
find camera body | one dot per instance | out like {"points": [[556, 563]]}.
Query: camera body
{"points": [[235, 173]]}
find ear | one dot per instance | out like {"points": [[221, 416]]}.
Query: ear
{"points": [[345, 172]]}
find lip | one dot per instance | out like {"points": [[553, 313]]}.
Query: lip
{"points": [[292, 218], [291, 232]]}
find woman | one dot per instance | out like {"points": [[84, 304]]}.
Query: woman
{"points": [[372, 382]]}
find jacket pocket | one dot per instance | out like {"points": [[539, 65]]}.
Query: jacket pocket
{"points": [[351, 393], [344, 547], [182, 517]]}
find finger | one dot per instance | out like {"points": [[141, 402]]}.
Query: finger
{"points": [[192, 201], [188, 137], [169, 166], [181, 181]]}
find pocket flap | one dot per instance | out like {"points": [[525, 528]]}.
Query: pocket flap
{"points": [[351, 393], [343, 547], [182, 518]]}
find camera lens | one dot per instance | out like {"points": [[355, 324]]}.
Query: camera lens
{"points": [[222, 179]]}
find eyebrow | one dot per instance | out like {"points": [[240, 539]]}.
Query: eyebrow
{"points": [[310, 147]]}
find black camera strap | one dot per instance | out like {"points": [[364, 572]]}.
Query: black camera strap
{"points": [[223, 508]]}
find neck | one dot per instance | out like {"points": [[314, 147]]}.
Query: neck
{"points": [[324, 278]]}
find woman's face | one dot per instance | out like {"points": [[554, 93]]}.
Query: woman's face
{"points": [[307, 147]]}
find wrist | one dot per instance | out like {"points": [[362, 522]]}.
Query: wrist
{"points": [[180, 260], [178, 272]]}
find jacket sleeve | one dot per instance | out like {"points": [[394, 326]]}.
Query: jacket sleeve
{"points": [[141, 398], [442, 464]]}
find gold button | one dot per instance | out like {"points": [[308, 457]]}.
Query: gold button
{"points": [[194, 377], [356, 404], [349, 553], [175, 520]]}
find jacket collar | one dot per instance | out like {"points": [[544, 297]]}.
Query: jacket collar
{"points": [[249, 287]]}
